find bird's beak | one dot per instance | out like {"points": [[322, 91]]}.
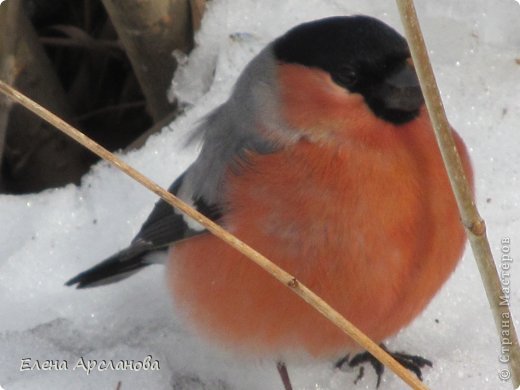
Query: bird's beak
{"points": [[401, 91]]}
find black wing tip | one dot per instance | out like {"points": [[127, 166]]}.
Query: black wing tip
{"points": [[80, 281], [75, 280], [118, 266], [70, 282], [105, 273]]}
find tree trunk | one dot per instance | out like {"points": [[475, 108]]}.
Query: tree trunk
{"points": [[150, 31], [36, 156], [7, 71], [197, 12]]}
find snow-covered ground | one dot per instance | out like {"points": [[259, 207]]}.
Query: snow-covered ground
{"points": [[48, 237]]}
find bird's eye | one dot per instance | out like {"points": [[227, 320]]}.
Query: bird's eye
{"points": [[345, 76]]}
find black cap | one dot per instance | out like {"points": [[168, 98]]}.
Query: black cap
{"points": [[363, 55]]}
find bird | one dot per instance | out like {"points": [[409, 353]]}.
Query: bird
{"points": [[323, 159]]}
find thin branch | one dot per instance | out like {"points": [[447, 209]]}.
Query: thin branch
{"points": [[94, 44], [282, 276], [158, 126], [31, 144], [108, 109], [474, 224], [8, 69]]}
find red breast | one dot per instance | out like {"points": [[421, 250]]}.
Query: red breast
{"points": [[359, 210]]}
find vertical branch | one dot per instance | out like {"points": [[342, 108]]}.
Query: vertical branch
{"points": [[35, 156], [150, 31], [471, 219], [7, 68], [197, 8]]}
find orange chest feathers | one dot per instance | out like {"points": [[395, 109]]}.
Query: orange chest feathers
{"points": [[372, 227]]}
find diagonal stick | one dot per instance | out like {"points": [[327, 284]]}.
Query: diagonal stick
{"points": [[282, 276]]}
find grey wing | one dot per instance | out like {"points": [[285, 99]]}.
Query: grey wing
{"points": [[228, 132], [164, 226]]}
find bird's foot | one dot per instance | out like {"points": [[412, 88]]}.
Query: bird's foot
{"points": [[412, 362]]}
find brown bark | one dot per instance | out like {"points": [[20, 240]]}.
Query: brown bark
{"points": [[7, 72], [150, 31], [197, 12], [35, 155]]}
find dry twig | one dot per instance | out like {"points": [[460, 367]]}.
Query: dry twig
{"points": [[474, 224]]}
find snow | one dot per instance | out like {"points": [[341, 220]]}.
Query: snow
{"points": [[49, 237]]}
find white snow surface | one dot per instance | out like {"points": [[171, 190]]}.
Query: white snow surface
{"points": [[47, 238]]}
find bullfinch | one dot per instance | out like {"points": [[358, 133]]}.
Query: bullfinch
{"points": [[324, 160]]}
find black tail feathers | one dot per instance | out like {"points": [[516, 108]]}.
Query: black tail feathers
{"points": [[117, 267]]}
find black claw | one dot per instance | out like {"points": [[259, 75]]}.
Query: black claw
{"points": [[413, 363], [342, 361], [415, 359], [358, 360], [361, 374]]}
